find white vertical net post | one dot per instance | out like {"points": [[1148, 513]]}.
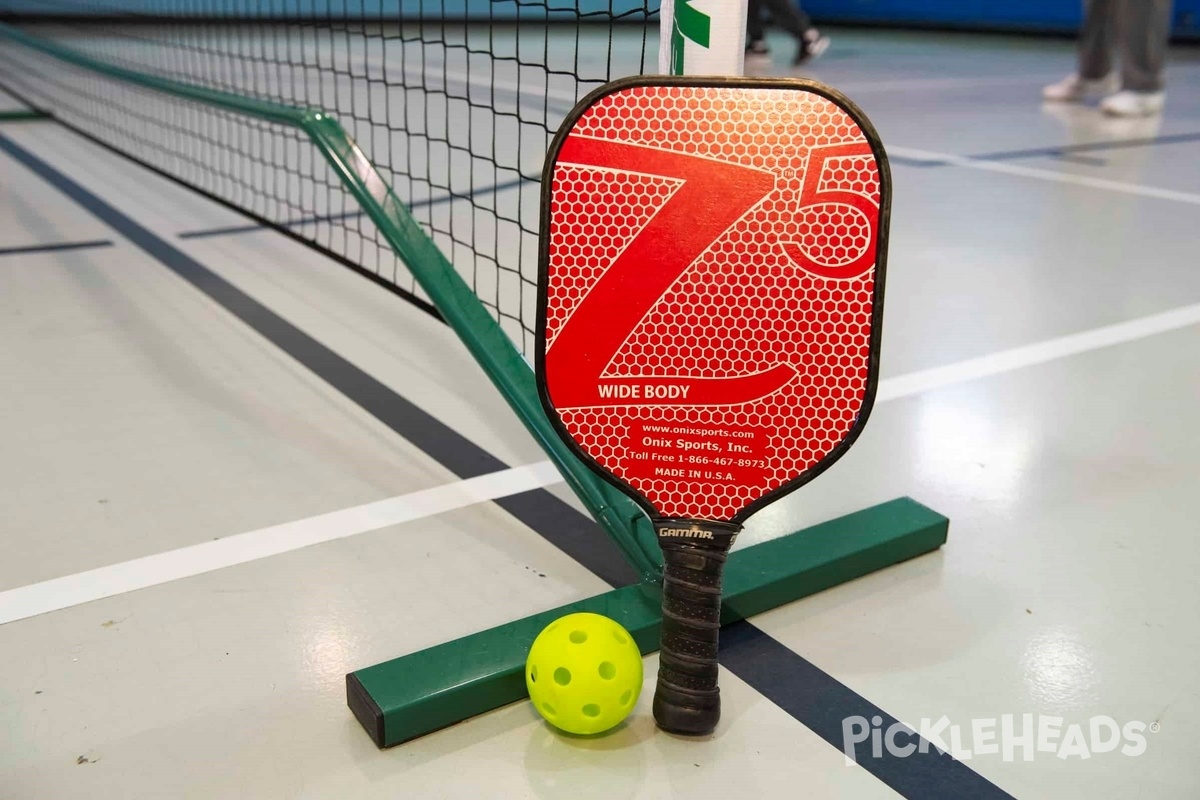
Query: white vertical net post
{"points": [[702, 37]]}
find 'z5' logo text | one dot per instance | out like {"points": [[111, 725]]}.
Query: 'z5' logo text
{"points": [[684, 228]]}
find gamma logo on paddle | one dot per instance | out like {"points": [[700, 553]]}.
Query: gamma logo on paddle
{"points": [[685, 533]]}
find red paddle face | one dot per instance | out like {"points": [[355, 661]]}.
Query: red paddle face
{"points": [[711, 287]]}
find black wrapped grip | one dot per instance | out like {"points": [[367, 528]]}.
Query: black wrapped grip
{"points": [[687, 700]]}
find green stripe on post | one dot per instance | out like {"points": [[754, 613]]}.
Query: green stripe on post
{"points": [[687, 24], [696, 42]]}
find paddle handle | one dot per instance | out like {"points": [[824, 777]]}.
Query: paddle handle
{"points": [[687, 700]]}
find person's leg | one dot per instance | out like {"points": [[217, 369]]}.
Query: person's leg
{"points": [[754, 27], [1144, 28], [788, 16], [1094, 75], [1096, 38]]}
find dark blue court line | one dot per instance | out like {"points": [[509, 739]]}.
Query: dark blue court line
{"points": [[53, 248], [821, 702], [1089, 147], [906, 161], [1089, 161], [495, 187], [575, 534], [810, 696], [233, 230], [1070, 152], [236, 229]]}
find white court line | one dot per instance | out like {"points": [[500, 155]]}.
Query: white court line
{"points": [[1045, 174], [1039, 353], [140, 573]]}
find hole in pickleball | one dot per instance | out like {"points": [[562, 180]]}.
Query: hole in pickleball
{"points": [[578, 637], [549, 709], [620, 637], [562, 676], [626, 696], [608, 670], [591, 710], [533, 674]]}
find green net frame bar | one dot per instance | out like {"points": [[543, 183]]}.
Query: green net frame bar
{"points": [[422, 692], [22, 115], [26, 114]]}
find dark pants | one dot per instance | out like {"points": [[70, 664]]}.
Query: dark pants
{"points": [[1139, 29], [785, 13]]}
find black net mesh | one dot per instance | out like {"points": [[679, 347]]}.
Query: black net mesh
{"points": [[455, 101]]}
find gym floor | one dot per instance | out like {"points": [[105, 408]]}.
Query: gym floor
{"points": [[190, 524]]}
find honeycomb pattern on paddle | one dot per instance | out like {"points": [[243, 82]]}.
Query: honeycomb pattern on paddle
{"points": [[791, 282], [602, 212]]}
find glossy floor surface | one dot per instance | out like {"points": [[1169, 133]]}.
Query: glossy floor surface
{"points": [[164, 633]]}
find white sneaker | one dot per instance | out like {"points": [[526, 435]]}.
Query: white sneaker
{"points": [[1073, 88], [757, 47], [811, 45], [1134, 104]]}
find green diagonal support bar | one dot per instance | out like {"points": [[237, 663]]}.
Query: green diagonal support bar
{"points": [[419, 693], [22, 115], [621, 518]]}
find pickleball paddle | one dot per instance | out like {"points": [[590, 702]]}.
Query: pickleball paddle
{"points": [[710, 303]]}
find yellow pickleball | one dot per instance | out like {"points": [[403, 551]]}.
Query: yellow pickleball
{"points": [[584, 673]]}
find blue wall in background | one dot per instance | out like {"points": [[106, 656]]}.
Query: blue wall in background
{"points": [[1053, 14], [1064, 15], [1061, 15]]}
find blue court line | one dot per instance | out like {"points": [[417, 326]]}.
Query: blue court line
{"points": [[1068, 152], [233, 230], [53, 248], [905, 161], [813, 698], [1089, 147], [1089, 161], [495, 187], [821, 702], [236, 229]]}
